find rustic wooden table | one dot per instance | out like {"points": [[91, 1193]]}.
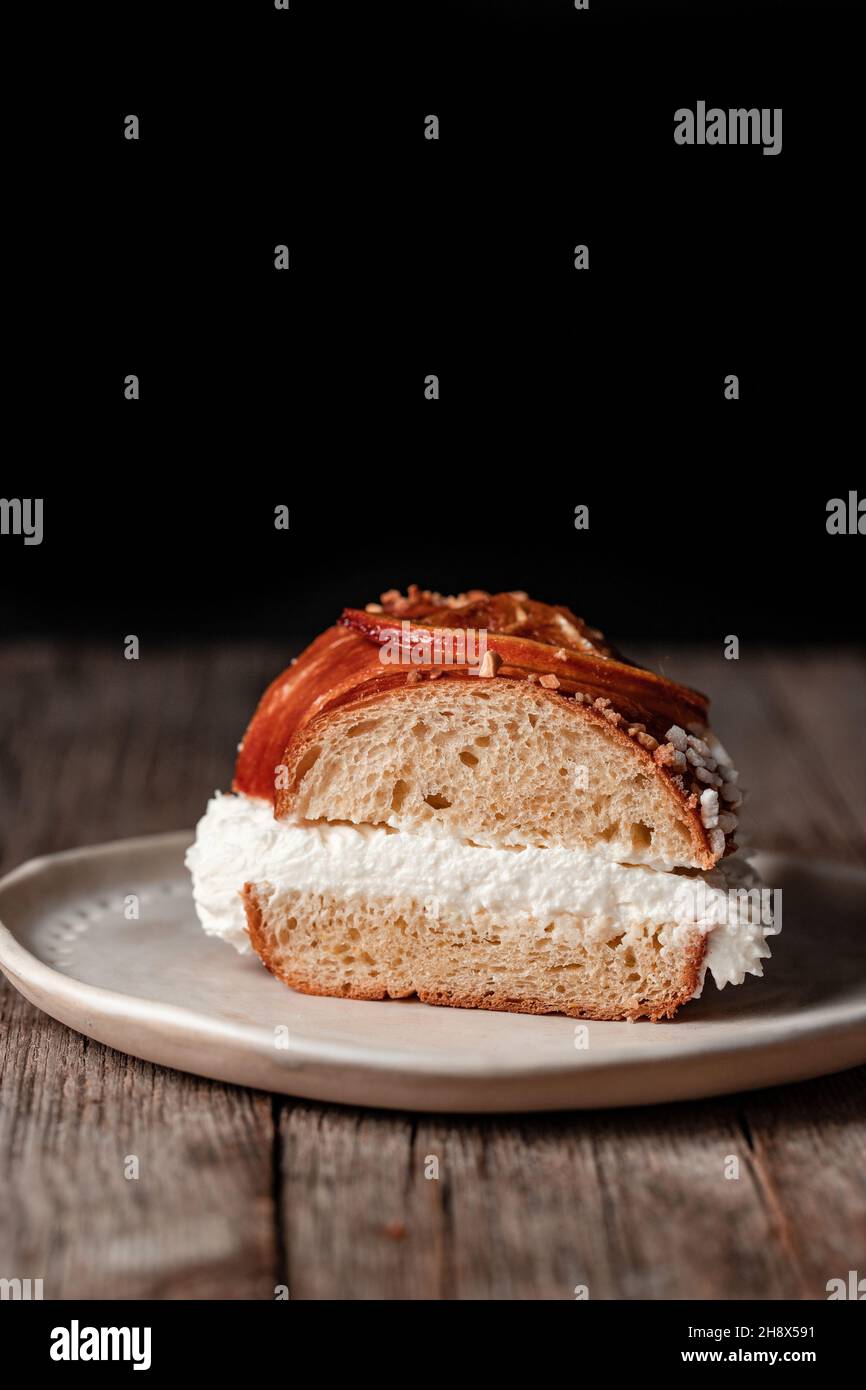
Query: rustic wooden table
{"points": [[240, 1192]]}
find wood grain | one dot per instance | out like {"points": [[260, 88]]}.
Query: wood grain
{"points": [[239, 1193], [628, 1204], [92, 748]]}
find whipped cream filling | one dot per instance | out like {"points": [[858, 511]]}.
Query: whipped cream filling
{"points": [[238, 841]]}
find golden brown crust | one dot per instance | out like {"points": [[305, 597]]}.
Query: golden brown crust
{"points": [[342, 666], [509, 614], [296, 695], [637, 693]]}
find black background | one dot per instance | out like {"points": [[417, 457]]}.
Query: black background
{"points": [[453, 257]]}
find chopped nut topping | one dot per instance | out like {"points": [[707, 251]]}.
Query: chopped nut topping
{"points": [[561, 654], [710, 808], [490, 665], [710, 779], [549, 682], [716, 838], [647, 741], [636, 729], [532, 677], [668, 756], [373, 608], [613, 717]]}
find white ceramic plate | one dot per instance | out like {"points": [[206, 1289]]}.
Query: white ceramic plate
{"points": [[160, 989]]}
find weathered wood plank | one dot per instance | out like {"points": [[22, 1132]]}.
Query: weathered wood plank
{"points": [[93, 747], [809, 1156], [822, 705], [742, 1198], [198, 1222]]}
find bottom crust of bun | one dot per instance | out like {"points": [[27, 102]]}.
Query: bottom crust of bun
{"points": [[375, 948]]}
